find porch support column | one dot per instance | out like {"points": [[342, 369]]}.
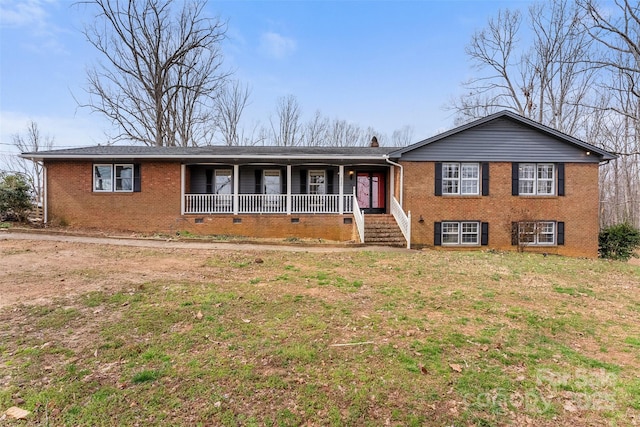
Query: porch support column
{"points": [[288, 189], [236, 189], [392, 180], [183, 174], [341, 189]]}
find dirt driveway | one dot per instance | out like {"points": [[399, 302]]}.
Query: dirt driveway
{"points": [[79, 264]]}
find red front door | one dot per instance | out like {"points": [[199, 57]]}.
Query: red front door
{"points": [[371, 192]]}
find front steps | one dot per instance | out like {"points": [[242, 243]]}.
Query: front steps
{"points": [[382, 230]]}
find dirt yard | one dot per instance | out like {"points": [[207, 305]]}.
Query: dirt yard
{"points": [[72, 260]]}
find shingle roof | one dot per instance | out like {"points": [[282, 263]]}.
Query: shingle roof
{"points": [[213, 152]]}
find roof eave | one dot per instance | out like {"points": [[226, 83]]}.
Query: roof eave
{"points": [[39, 156]]}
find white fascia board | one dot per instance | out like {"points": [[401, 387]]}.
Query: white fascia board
{"points": [[196, 157]]}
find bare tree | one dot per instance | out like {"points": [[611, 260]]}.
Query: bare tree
{"points": [[617, 32], [547, 80], [402, 137], [231, 103], [560, 65], [494, 53], [619, 35], [287, 131], [31, 141], [161, 71], [316, 131], [344, 134]]}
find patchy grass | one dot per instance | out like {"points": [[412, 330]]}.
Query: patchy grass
{"points": [[351, 338]]}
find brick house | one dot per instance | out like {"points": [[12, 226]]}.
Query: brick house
{"points": [[501, 182]]}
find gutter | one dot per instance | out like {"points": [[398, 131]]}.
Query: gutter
{"points": [[194, 157], [386, 158]]}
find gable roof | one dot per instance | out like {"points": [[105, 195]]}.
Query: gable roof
{"points": [[546, 131]]}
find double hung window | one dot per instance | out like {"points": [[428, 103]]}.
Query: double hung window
{"points": [[541, 233], [223, 181], [536, 179], [317, 182], [460, 178], [113, 178], [461, 233]]}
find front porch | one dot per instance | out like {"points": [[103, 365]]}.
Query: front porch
{"points": [[260, 188], [290, 198]]}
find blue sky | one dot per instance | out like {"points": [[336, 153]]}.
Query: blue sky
{"points": [[384, 64]]}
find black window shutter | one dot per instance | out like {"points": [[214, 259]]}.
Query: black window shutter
{"points": [[330, 181], [438, 179], [283, 181], [560, 169], [560, 233], [437, 234], [137, 183], [258, 174], [209, 181], [515, 173], [484, 236], [303, 181], [514, 234], [485, 179]]}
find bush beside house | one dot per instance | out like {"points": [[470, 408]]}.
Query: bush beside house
{"points": [[15, 198], [618, 242]]}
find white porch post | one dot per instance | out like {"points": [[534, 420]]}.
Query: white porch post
{"points": [[392, 179], [236, 188], [288, 189], [341, 189], [183, 174]]}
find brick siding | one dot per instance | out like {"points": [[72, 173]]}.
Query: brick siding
{"points": [[578, 209], [156, 209]]}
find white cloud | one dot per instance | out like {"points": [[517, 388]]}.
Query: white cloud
{"points": [[277, 46], [22, 13], [34, 20]]}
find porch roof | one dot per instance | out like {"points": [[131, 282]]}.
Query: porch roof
{"points": [[235, 154]]}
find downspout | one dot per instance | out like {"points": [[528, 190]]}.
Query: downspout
{"points": [[386, 157], [45, 196]]}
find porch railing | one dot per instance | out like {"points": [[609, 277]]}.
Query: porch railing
{"points": [[358, 217], [262, 203], [208, 203], [268, 203], [404, 221]]}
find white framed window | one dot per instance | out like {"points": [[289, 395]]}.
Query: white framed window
{"points": [[536, 179], [271, 181], [317, 180], [461, 178], [540, 233], [222, 181], [124, 177], [113, 178], [461, 233], [102, 177]]}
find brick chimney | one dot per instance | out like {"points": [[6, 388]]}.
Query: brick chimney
{"points": [[374, 142]]}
